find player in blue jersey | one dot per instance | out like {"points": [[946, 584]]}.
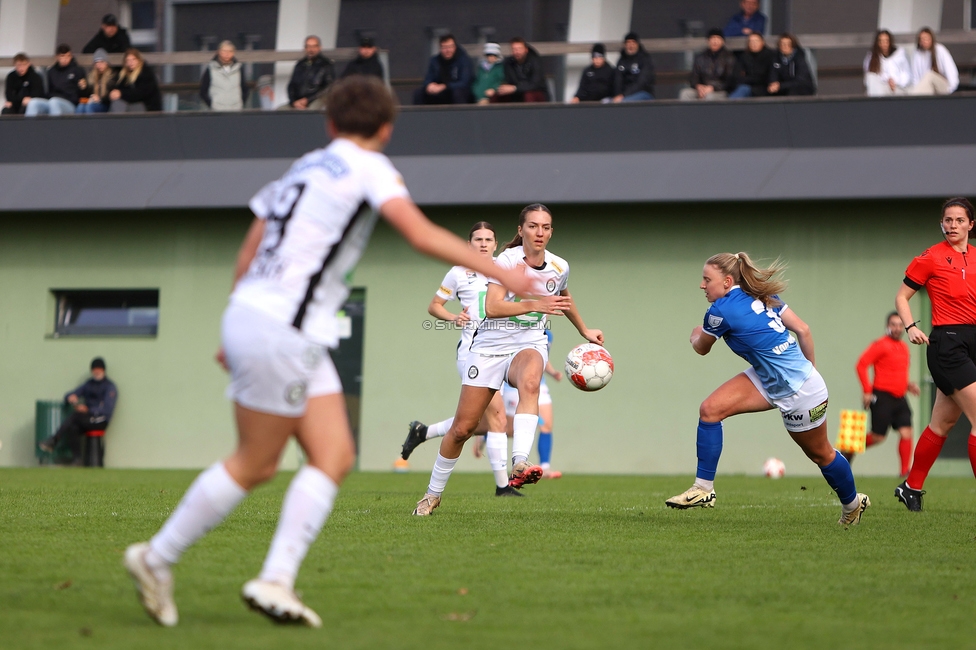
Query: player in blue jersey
{"points": [[747, 312]]}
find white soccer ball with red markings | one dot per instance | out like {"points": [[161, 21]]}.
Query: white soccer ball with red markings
{"points": [[774, 468], [589, 366]]}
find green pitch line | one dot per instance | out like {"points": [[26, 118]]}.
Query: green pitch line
{"points": [[583, 562]]}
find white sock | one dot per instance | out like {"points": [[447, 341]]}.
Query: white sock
{"points": [[439, 429], [442, 471], [307, 505], [852, 506], [708, 486], [496, 445], [211, 497], [523, 435]]}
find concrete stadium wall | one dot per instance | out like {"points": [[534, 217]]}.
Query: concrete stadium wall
{"points": [[635, 273]]}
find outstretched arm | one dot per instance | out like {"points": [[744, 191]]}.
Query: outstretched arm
{"points": [[572, 313]]}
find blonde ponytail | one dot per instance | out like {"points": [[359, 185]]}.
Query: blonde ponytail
{"points": [[760, 283]]}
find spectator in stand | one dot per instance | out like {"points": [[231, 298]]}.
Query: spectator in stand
{"points": [[101, 80], [65, 83], [791, 74], [111, 38], [890, 358], [448, 78], [136, 89], [368, 62], [598, 79], [23, 85], [310, 78], [489, 75], [635, 72], [753, 69], [93, 404], [223, 86], [713, 73], [524, 78], [932, 75], [748, 21], [886, 68]]}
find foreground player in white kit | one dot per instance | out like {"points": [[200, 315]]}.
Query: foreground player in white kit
{"points": [[469, 288], [310, 230], [511, 345]]}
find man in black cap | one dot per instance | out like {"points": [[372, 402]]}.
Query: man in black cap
{"points": [[111, 38], [368, 62], [93, 403], [713, 73], [635, 72], [598, 79]]}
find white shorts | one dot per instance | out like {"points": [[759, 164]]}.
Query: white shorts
{"points": [[511, 398], [273, 367], [491, 370], [802, 411]]}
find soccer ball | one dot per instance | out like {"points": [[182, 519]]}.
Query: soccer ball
{"points": [[589, 366], [774, 468]]}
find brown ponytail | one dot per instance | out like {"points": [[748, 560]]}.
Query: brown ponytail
{"points": [[760, 283], [532, 207]]}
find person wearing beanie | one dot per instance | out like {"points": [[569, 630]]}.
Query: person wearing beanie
{"points": [[101, 81], [367, 62], [713, 73], [635, 72], [489, 74], [598, 79], [111, 38], [93, 404]]}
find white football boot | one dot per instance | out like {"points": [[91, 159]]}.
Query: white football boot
{"points": [[278, 603], [693, 497], [155, 586]]}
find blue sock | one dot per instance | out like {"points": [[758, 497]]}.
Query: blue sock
{"points": [[840, 478], [545, 447], [709, 449]]}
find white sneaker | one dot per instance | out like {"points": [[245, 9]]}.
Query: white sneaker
{"points": [[155, 587], [278, 603], [853, 518], [693, 497]]}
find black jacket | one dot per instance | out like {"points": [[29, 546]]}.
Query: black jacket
{"points": [[597, 83], [635, 73], [753, 70], [715, 69], [456, 73], [370, 66], [144, 89], [99, 397], [526, 76], [115, 45], [63, 82], [793, 74], [17, 87], [310, 78]]}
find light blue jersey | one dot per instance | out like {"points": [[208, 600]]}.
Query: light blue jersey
{"points": [[757, 334]]}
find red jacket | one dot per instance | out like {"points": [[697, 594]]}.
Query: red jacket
{"points": [[890, 359]]}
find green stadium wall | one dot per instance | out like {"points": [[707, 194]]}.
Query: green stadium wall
{"points": [[635, 274]]}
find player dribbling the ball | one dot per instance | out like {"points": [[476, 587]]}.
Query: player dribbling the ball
{"points": [[310, 229], [747, 312], [511, 346]]}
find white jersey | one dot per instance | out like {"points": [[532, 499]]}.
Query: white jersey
{"points": [[319, 217], [511, 334], [469, 288]]}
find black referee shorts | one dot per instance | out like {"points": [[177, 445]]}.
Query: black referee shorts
{"points": [[889, 411], [952, 356]]}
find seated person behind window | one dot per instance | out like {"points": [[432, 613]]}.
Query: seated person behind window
{"points": [[886, 68], [791, 74], [65, 83], [367, 63], [598, 79], [448, 78], [933, 70], [93, 402], [22, 86], [754, 66], [489, 75], [748, 21], [136, 89], [712, 74], [101, 80], [635, 72], [223, 86], [111, 38], [310, 78], [524, 78]]}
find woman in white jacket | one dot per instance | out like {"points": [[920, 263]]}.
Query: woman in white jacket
{"points": [[933, 70], [886, 68]]}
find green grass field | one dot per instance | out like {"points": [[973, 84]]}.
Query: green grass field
{"points": [[584, 562]]}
